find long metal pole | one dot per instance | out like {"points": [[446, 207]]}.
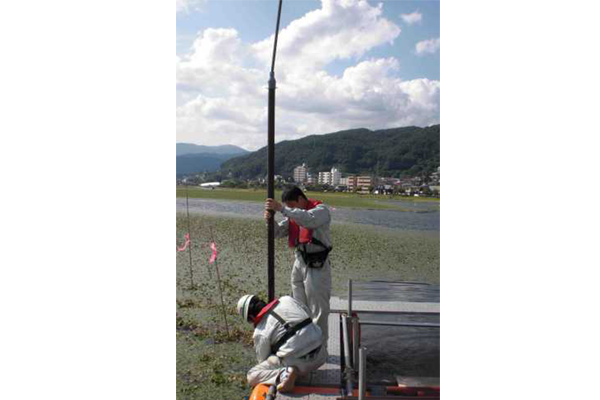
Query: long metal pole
{"points": [[349, 371], [347, 351], [271, 166], [270, 188], [362, 373]]}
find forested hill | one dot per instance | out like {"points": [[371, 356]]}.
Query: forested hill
{"points": [[194, 163], [190, 148], [388, 152]]}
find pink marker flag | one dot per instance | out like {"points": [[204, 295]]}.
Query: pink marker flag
{"points": [[213, 257], [185, 245]]}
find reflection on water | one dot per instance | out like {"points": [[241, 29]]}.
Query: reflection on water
{"points": [[399, 351], [423, 216]]}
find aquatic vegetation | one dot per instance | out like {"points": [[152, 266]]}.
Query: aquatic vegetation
{"points": [[208, 360], [333, 199]]}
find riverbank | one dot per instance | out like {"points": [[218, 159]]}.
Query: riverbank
{"points": [[332, 199], [413, 216], [212, 365]]}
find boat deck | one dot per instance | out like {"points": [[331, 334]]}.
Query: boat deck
{"points": [[327, 380]]}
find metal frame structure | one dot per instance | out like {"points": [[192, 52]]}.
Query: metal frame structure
{"points": [[356, 358]]}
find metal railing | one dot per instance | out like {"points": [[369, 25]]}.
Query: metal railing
{"points": [[405, 324], [348, 370], [356, 358]]}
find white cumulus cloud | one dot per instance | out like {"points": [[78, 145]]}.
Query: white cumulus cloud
{"points": [[412, 18], [427, 46], [341, 29], [188, 6], [222, 94]]}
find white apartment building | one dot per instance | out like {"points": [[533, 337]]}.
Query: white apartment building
{"points": [[332, 177], [336, 177], [300, 173], [324, 178]]}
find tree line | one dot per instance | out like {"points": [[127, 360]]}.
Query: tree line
{"points": [[397, 152]]}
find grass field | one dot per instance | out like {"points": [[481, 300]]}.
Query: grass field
{"points": [[332, 199], [211, 364]]}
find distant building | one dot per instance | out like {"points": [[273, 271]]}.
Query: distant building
{"points": [[331, 178], [310, 179], [336, 176], [351, 182], [324, 178], [300, 173], [364, 181]]}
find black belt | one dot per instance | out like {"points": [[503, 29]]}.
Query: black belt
{"points": [[289, 331]]}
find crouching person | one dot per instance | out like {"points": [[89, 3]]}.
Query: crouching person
{"points": [[287, 342]]}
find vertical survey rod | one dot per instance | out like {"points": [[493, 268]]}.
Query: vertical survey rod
{"points": [[270, 188], [271, 166]]}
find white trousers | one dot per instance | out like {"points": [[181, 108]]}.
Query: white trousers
{"points": [[312, 287], [267, 373]]}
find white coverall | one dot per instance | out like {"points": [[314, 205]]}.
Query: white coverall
{"points": [[292, 353], [311, 286]]}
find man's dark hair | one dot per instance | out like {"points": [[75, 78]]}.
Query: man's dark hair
{"points": [[255, 306], [292, 193]]}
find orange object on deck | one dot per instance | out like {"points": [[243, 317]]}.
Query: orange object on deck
{"points": [[260, 392]]}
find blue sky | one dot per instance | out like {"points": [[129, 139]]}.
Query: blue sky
{"points": [[341, 64]]}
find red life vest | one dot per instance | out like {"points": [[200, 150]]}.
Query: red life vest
{"points": [[299, 234], [264, 311]]}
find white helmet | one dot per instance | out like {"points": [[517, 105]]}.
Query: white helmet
{"points": [[243, 305]]}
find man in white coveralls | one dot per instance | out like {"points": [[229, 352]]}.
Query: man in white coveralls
{"points": [[306, 226], [286, 340]]}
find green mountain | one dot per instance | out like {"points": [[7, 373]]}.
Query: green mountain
{"points": [[190, 148], [195, 163], [388, 152]]}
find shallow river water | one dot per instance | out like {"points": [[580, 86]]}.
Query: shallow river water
{"points": [[422, 216]]}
